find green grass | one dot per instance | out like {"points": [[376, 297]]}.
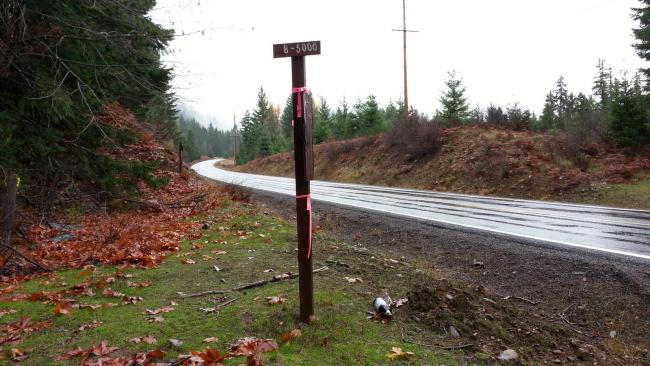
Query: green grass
{"points": [[341, 335], [630, 195]]}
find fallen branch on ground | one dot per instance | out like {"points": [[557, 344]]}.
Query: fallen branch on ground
{"points": [[280, 277], [204, 293], [460, 346], [21, 255]]}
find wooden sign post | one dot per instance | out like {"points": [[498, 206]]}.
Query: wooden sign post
{"points": [[304, 158]]}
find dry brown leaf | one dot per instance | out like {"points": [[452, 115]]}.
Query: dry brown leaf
{"points": [[62, 308], [210, 339], [138, 284], [18, 355], [149, 339], [92, 325], [219, 252], [4, 312], [397, 352], [353, 279], [156, 319], [288, 336], [275, 300], [188, 261], [164, 309], [400, 302]]}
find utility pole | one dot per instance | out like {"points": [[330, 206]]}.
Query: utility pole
{"points": [[234, 138], [404, 31]]}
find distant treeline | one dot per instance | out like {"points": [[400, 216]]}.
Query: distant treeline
{"points": [[617, 111], [200, 141]]}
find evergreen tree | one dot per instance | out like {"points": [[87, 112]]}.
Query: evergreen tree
{"points": [[562, 103], [642, 34], [602, 84], [342, 121], [629, 117], [322, 121], [454, 103], [548, 119], [61, 63]]}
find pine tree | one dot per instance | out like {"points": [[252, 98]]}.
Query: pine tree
{"points": [[548, 119], [454, 103], [322, 121], [562, 103], [602, 84], [629, 117], [642, 34]]}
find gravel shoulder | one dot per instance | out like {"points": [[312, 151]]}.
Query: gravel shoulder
{"points": [[595, 295]]}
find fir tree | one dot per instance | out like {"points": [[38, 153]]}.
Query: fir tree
{"points": [[454, 103], [642, 34]]}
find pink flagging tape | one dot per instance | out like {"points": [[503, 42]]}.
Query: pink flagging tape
{"points": [[308, 198], [300, 92]]}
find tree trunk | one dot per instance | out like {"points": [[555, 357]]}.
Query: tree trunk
{"points": [[7, 208]]}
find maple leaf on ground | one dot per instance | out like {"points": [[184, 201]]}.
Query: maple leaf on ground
{"points": [[112, 293], [210, 356], [62, 308], [288, 336], [91, 325], [252, 346], [138, 284], [102, 349], [164, 309], [397, 352]]}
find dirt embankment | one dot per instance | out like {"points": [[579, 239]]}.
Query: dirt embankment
{"points": [[474, 160]]}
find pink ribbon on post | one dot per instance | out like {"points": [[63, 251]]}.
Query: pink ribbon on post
{"points": [[308, 198], [299, 91]]}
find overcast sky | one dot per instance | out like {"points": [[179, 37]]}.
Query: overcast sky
{"points": [[505, 50]]}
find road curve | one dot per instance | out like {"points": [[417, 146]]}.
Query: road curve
{"points": [[623, 232]]}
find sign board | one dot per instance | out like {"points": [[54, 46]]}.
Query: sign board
{"points": [[296, 49]]}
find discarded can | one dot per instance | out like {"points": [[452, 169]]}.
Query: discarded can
{"points": [[381, 307]]}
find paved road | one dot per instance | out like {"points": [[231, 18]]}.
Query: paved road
{"points": [[606, 230]]}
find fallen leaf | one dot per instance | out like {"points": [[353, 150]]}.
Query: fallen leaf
{"points": [[175, 342], [102, 349], [353, 279], [251, 346], [158, 354], [149, 339], [135, 340], [208, 310], [210, 356], [164, 309], [156, 319], [188, 261], [275, 300], [219, 252], [18, 355], [62, 308], [92, 325], [400, 302], [138, 284], [206, 258], [111, 293], [4, 312], [268, 270], [210, 339], [397, 352], [288, 336]]}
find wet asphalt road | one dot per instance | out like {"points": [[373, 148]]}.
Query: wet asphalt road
{"points": [[620, 232]]}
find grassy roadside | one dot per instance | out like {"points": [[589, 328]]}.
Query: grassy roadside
{"points": [[253, 242], [246, 242]]}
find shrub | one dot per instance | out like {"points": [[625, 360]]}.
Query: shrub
{"points": [[415, 135]]}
